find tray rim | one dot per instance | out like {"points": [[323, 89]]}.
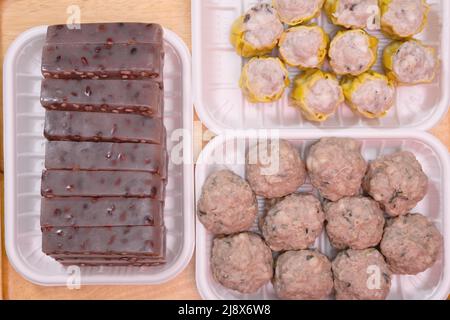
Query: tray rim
{"points": [[212, 124], [9, 144], [441, 292]]}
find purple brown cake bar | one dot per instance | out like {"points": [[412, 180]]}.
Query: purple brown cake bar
{"points": [[94, 156], [103, 61], [102, 127], [100, 256], [101, 212], [97, 184], [106, 33], [111, 263], [114, 96], [142, 241], [108, 264], [106, 159]]}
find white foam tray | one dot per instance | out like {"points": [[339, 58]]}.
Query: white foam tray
{"points": [[24, 146], [229, 153], [221, 105]]}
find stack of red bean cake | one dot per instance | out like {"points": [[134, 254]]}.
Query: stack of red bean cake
{"points": [[106, 159]]}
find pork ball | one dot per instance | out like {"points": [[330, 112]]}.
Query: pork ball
{"points": [[227, 204], [411, 244], [397, 182], [242, 262], [293, 223], [354, 222], [361, 275], [275, 169], [303, 275], [336, 167]]}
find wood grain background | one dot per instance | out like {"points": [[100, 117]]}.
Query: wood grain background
{"points": [[19, 15]]}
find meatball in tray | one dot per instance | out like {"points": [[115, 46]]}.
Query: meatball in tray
{"points": [[336, 217]]}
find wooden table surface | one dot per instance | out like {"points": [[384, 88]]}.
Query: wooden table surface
{"points": [[20, 15]]}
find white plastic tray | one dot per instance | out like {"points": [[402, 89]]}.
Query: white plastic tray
{"points": [[217, 67], [24, 146], [229, 152]]}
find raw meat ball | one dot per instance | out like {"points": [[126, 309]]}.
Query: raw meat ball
{"points": [[293, 12], [257, 32], [410, 62], [336, 167], [411, 244], [242, 262], [303, 275], [397, 182], [293, 223], [403, 18], [275, 169], [361, 275], [353, 52], [227, 204], [356, 223]]}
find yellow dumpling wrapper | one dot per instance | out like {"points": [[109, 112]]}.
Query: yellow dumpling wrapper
{"points": [[298, 21], [389, 30], [388, 61], [331, 7], [373, 46], [243, 47], [321, 54], [302, 87], [254, 97], [352, 84]]}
